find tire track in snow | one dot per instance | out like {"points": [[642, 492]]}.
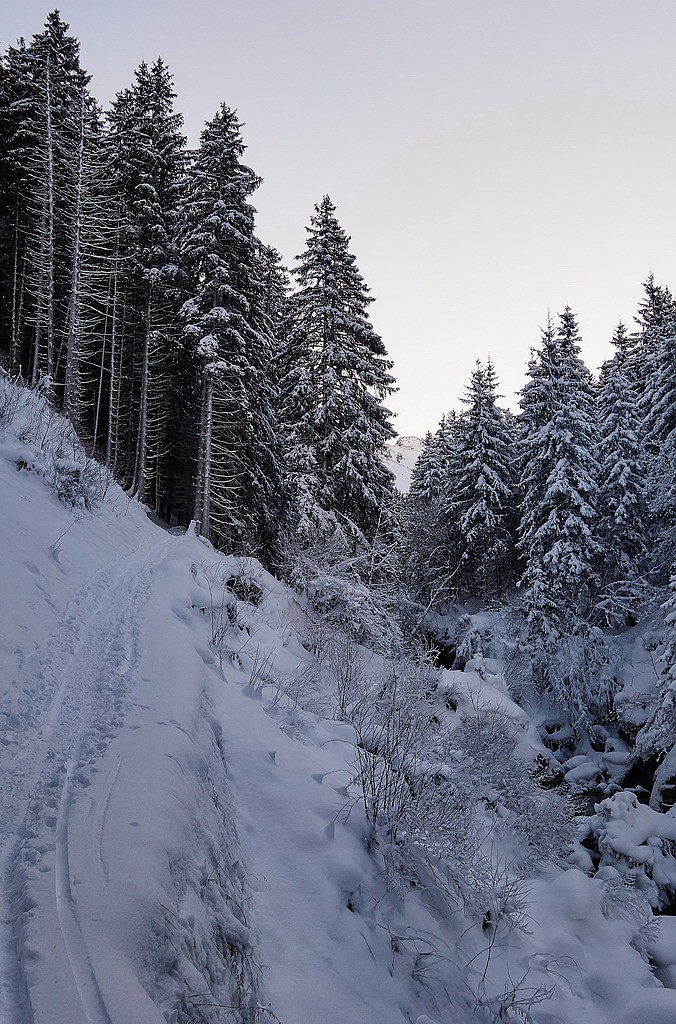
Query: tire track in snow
{"points": [[100, 823], [83, 973], [64, 708]]}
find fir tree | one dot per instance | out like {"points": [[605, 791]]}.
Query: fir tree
{"points": [[655, 321], [15, 144], [657, 399], [622, 492], [658, 735], [337, 376], [482, 496], [275, 283], [147, 165], [437, 461], [44, 109], [558, 535], [227, 329], [433, 548]]}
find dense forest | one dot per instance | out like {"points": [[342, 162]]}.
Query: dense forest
{"points": [[219, 387], [484, 665]]}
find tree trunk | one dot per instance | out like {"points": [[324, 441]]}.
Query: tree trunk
{"points": [[70, 392]]}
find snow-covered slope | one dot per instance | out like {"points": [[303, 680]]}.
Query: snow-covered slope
{"points": [[174, 840], [171, 840], [401, 457]]}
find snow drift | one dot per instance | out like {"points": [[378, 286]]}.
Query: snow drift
{"points": [[174, 829]]}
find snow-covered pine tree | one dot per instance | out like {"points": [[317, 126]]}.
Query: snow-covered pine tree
{"points": [[227, 333], [437, 460], [15, 104], [658, 735], [655, 320], [148, 167], [337, 376], [432, 548], [276, 285], [482, 496], [624, 528], [274, 278], [558, 535], [91, 242], [657, 346], [538, 405], [43, 93]]}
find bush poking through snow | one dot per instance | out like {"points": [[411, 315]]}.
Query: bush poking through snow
{"points": [[9, 398], [623, 900], [639, 843], [439, 798], [244, 584], [52, 448]]}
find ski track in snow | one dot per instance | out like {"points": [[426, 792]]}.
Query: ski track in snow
{"points": [[63, 708], [83, 974], [99, 824]]}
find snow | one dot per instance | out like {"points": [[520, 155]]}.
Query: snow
{"points": [[174, 836], [400, 458]]}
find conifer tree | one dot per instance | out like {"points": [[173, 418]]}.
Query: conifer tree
{"points": [[482, 496], [656, 348], [15, 107], [655, 321], [227, 332], [658, 735], [337, 376], [433, 545], [558, 535], [438, 460], [275, 283], [147, 165], [622, 492], [43, 105], [274, 279]]}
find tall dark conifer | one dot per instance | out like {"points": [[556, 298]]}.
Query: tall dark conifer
{"points": [[147, 164], [482, 499], [433, 548], [559, 528], [227, 329], [337, 376], [44, 111], [622, 503]]}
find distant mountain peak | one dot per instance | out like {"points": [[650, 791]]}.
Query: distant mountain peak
{"points": [[400, 457]]}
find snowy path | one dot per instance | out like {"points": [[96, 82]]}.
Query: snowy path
{"points": [[68, 700], [171, 842]]}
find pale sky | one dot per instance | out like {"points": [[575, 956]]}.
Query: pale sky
{"points": [[491, 159]]}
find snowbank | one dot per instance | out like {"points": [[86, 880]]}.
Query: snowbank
{"points": [[180, 835]]}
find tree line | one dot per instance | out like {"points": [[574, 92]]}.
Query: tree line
{"points": [[566, 510], [135, 287]]}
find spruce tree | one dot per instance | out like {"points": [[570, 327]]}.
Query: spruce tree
{"points": [[275, 283], [657, 399], [658, 735], [622, 492], [482, 496], [147, 166], [337, 376], [559, 528], [44, 107], [433, 549], [15, 143], [227, 333], [655, 322]]}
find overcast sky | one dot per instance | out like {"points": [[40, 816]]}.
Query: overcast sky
{"points": [[491, 159]]}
